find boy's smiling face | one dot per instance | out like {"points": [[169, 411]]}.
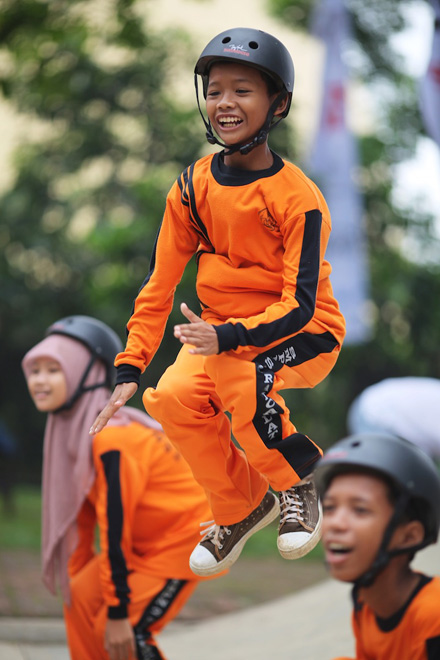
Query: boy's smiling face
{"points": [[356, 512], [237, 101]]}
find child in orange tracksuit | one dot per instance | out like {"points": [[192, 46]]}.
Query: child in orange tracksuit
{"points": [[129, 482], [381, 504], [259, 229]]}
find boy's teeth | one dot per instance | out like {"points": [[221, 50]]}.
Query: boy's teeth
{"points": [[338, 547], [230, 120]]}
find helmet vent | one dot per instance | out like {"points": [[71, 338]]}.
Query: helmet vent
{"points": [[355, 443], [226, 40], [253, 45]]}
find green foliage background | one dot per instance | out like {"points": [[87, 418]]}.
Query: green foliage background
{"points": [[78, 225]]}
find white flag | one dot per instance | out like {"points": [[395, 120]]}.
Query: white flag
{"points": [[333, 163], [430, 84]]}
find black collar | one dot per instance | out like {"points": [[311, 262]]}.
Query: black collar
{"points": [[235, 176], [391, 622]]}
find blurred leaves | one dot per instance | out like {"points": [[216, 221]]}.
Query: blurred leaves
{"points": [[404, 250], [79, 223], [108, 131]]}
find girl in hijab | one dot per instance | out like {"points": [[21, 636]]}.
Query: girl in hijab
{"points": [[128, 482]]}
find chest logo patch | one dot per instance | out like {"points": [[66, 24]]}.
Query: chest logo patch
{"points": [[267, 220]]}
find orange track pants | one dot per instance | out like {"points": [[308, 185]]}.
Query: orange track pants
{"points": [[190, 402], [86, 616]]}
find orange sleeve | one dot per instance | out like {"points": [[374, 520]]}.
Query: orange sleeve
{"points": [[176, 243]]}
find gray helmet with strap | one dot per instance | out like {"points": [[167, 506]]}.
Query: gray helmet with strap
{"points": [[257, 49], [412, 473], [102, 342]]}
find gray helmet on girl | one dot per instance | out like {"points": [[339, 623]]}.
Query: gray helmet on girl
{"points": [[102, 342], [412, 474], [257, 49]]}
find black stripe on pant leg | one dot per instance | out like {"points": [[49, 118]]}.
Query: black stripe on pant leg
{"points": [[145, 650], [296, 350], [158, 607], [297, 449], [267, 418]]}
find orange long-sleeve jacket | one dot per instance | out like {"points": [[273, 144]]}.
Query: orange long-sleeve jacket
{"points": [[260, 240], [148, 509], [412, 633]]}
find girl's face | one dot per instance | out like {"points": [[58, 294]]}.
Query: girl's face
{"points": [[47, 384], [356, 512]]}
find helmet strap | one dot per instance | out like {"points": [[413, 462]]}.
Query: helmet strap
{"points": [[259, 138], [384, 555], [81, 388]]}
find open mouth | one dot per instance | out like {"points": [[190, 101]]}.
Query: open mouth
{"points": [[337, 551]]}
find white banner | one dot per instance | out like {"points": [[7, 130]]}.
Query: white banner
{"points": [[333, 164], [430, 83]]}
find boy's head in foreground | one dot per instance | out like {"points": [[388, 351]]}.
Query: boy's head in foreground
{"points": [[381, 500], [247, 78]]}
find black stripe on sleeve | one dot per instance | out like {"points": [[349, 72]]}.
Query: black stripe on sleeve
{"points": [[182, 182], [232, 335], [115, 516], [433, 648], [196, 219]]}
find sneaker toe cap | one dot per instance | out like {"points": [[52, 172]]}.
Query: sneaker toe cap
{"points": [[292, 540], [201, 558]]}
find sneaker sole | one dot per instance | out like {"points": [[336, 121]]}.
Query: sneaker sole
{"points": [[236, 550], [297, 553]]}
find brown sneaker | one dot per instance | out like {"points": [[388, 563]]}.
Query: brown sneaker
{"points": [[300, 519], [222, 544]]}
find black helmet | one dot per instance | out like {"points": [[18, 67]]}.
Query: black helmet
{"points": [[254, 48], [411, 471], [99, 338]]}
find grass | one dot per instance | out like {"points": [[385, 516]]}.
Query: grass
{"points": [[22, 528], [264, 544]]}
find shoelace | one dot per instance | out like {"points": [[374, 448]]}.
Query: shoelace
{"points": [[292, 507], [214, 533]]}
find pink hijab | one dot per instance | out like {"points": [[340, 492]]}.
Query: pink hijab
{"points": [[68, 471]]}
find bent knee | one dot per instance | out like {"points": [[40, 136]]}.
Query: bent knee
{"points": [[173, 391]]}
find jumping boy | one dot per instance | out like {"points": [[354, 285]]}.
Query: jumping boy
{"points": [[381, 504], [259, 229]]}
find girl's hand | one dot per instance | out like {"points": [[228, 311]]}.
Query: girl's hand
{"points": [[119, 639], [201, 335]]}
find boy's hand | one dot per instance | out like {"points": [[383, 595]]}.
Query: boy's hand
{"points": [[197, 332], [119, 639], [120, 396]]}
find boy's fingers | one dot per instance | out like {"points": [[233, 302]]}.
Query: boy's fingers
{"points": [[189, 314], [122, 393]]}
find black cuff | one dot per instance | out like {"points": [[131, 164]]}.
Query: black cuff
{"points": [[227, 337], [117, 612], [127, 373]]}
